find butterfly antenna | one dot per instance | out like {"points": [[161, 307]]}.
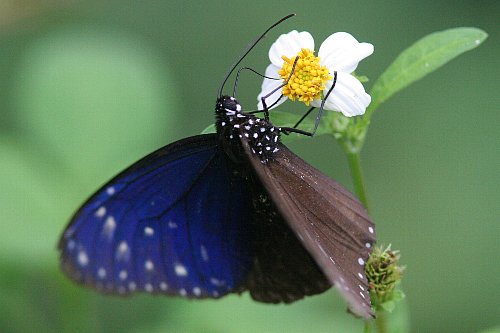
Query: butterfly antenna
{"points": [[251, 70], [247, 50]]}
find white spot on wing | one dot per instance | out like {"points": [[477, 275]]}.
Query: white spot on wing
{"points": [[172, 225], [122, 251], [370, 229], [204, 253], [110, 190], [101, 273], [109, 226], [148, 231], [182, 292], [163, 286], [360, 276], [149, 265], [361, 261], [180, 270], [217, 282], [197, 291], [83, 259], [100, 212], [368, 245], [148, 287], [123, 275]]}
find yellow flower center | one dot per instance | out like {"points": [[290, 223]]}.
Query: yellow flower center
{"points": [[308, 79]]}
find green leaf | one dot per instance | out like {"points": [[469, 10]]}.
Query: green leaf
{"points": [[209, 129], [422, 58]]}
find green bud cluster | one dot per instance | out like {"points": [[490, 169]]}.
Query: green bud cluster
{"points": [[384, 274]]}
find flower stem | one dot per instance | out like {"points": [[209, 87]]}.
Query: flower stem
{"points": [[357, 176], [380, 322], [367, 327]]}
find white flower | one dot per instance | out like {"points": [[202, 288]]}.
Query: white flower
{"points": [[313, 76]]}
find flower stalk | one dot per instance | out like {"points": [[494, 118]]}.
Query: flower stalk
{"points": [[354, 160]]}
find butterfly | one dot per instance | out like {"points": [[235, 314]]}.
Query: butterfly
{"points": [[221, 213]]}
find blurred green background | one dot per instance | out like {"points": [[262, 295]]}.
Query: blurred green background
{"points": [[88, 87]]}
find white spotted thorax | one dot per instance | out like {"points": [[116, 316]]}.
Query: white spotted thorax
{"points": [[234, 125]]}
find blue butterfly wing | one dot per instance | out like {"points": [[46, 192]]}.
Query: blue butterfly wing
{"points": [[178, 222]]}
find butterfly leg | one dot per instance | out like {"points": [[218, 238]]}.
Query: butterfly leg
{"points": [[288, 130], [263, 98], [320, 112], [303, 117]]}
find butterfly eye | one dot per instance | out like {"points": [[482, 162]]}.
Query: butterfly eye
{"points": [[229, 103]]}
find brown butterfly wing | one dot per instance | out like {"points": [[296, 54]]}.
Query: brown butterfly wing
{"points": [[283, 270], [329, 221]]}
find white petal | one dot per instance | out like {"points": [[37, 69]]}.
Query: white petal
{"points": [[348, 96], [342, 52], [268, 86], [289, 45]]}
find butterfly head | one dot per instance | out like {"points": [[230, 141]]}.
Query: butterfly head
{"points": [[227, 105]]}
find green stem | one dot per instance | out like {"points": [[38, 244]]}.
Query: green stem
{"points": [[357, 176], [380, 322], [367, 327]]}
